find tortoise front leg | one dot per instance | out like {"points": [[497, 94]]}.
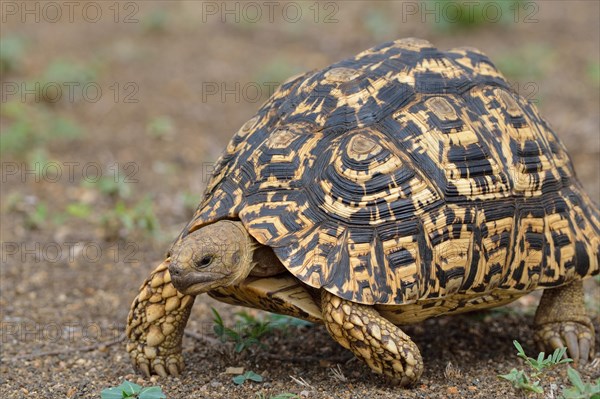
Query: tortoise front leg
{"points": [[155, 325], [383, 346], [561, 320]]}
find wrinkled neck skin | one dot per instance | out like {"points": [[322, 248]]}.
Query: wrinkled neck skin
{"points": [[216, 255]]}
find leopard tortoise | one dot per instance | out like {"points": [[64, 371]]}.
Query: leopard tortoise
{"points": [[391, 187]]}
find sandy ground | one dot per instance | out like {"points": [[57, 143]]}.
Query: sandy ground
{"points": [[176, 82]]}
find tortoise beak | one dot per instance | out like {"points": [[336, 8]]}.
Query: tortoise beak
{"points": [[177, 275], [192, 282], [180, 276]]}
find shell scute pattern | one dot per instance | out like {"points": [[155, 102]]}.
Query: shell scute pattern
{"points": [[404, 175]]}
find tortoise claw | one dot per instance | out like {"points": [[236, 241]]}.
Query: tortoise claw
{"points": [[584, 350], [160, 370], [173, 370], [555, 343], [145, 369], [572, 344], [576, 336]]}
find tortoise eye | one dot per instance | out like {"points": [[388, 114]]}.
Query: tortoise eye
{"points": [[205, 261]]}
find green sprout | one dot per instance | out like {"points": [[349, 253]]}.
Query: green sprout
{"points": [[59, 75], [521, 380], [32, 126], [247, 376], [155, 21], [160, 126], [581, 390], [130, 390], [248, 334], [37, 218], [11, 54], [249, 330], [123, 219]]}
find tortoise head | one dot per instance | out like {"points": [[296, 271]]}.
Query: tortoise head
{"points": [[216, 255]]}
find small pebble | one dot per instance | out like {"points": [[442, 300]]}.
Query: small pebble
{"points": [[234, 370]]}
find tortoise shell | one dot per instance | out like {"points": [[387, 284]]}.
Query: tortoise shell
{"points": [[406, 174]]}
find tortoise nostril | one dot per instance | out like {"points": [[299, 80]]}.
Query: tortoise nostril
{"points": [[175, 271]]}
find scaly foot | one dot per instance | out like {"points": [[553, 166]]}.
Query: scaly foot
{"points": [[561, 321], [375, 340], [156, 323], [576, 336]]}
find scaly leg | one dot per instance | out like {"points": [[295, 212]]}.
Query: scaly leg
{"points": [[383, 346], [155, 325], [561, 321]]}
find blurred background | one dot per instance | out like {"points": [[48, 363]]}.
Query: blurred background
{"points": [[114, 112]]}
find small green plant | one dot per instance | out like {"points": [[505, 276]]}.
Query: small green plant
{"points": [[31, 126], [160, 126], [38, 160], [283, 323], [593, 72], [130, 390], [580, 389], [244, 336], [521, 380], [542, 363], [456, 15], [155, 21], [249, 330], [11, 54], [78, 210], [248, 375], [115, 188], [123, 219], [37, 218], [59, 75]]}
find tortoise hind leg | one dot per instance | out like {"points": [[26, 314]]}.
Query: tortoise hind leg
{"points": [[383, 346], [561, 321]]}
